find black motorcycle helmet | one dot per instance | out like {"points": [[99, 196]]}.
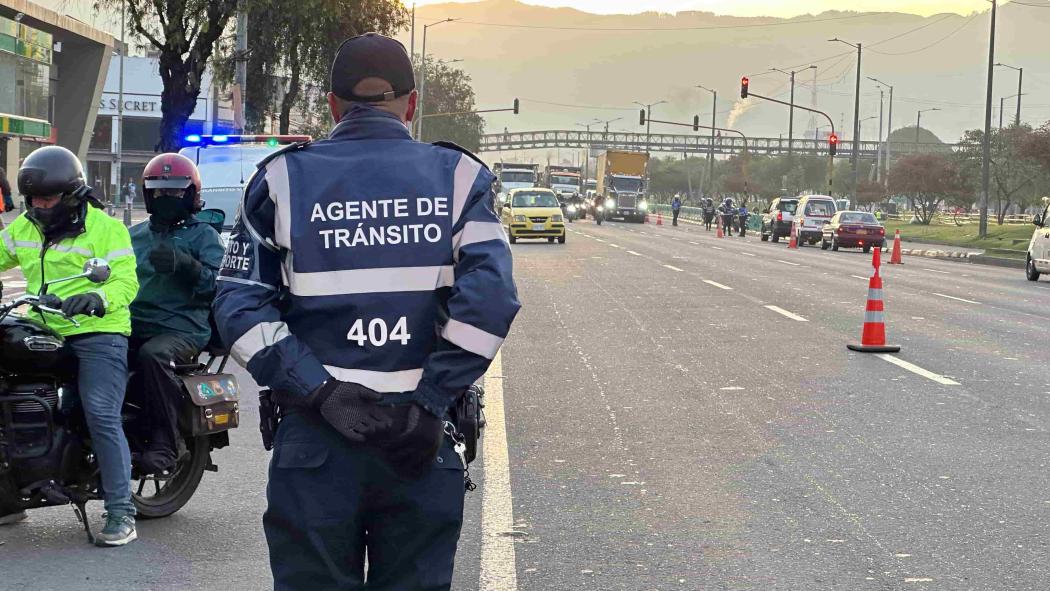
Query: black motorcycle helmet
{"points": [[49, 172]]}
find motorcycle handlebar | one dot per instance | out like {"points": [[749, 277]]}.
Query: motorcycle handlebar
{"points": [[51, 304]]}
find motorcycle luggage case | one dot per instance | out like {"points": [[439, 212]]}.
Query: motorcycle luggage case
{"points": [[214, 407]]}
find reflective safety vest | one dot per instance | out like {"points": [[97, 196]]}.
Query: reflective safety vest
{"points": [[370, 258], [23, 245]]}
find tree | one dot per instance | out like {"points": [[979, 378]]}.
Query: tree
{"points": [[291, 44], [185, 32], [1013, 175], [869, 193], [448, 90], [927, 180]]}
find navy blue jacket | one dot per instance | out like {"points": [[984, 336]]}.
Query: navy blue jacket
{"points": [[370, 258]]}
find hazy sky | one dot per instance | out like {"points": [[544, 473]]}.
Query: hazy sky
{"points": [[761, 7]]}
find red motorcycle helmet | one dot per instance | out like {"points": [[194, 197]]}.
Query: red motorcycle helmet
{"points": [[172, 171]]}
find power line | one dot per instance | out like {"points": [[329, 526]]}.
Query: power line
{"points": [[935, 43], [930, 24], [571, 106], [636, 29]]}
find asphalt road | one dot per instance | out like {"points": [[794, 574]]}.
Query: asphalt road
{"points": [[681, 413]]}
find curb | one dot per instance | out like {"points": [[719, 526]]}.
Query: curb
{"points": [[965, 257]]}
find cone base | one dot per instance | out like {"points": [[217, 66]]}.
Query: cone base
{"points": [[873, 348]]}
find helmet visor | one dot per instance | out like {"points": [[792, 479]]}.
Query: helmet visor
{"points": [[168, 183]]}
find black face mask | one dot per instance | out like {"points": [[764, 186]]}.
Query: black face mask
{"points": [[169, 210], [53, 220]]}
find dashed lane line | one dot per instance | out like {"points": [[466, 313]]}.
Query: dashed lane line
{"points": [[936, 271], [498, 563], [955, 298], [861, 278], [786, 314], [789, 263], [717, 248], [673, 268], [748, 254], [718, 285], [634, 253], [694, 243], [615, 245], [915, 369]]}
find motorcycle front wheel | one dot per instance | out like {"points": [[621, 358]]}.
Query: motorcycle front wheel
{"points": [[160, 496]]}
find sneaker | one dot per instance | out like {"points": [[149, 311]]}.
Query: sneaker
{"points": [[12, 518], [119, 530]]}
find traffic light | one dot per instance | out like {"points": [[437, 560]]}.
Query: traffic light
{"points": [[743, 87], [696, 123], [833, 144], [641, 117], [515, 106]]}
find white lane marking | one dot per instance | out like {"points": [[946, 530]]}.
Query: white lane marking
{"points": [[918, 580], [717, 248], [599, 240], [716, 284], [615, 245], [954, 298], [748, 254], [861, 278], [673, 268], [498, 563], [789, 263], [634, 253], [936, 271], [915, 369], [694, 243], [785, 313]]}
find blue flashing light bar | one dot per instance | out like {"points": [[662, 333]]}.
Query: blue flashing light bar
{"points": [[195, 139], [220, 139]]}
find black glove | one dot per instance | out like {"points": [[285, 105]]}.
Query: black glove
{"points": [[414, 439], [84, 303], [50, 301], [167, 259], [350, 408]]}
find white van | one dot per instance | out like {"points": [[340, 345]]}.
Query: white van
{"points": [[812, 212], [1039, 249], [227, 162]]}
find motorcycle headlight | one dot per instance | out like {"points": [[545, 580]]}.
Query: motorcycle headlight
{"points": [[643, 206], [572, 208], [610, 203], [519, 218], [557, 218], [600, 208]]}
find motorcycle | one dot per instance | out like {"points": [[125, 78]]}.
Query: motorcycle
{"points": [[599, 214], [45, 451], [569, 211]]}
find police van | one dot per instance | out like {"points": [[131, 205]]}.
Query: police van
{"points": [[227, 162], [1038, 261]]}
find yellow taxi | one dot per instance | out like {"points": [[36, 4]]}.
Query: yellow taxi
{"points": [[533, 213]]}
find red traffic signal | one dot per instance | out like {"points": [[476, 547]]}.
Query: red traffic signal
{"points": [[743, 87], [833, 144]]}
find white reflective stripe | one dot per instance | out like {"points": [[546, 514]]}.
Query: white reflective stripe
{"points": [[73, 249], [9, 244], [246, 282], [116, 254], [256, 339], [874, 294], [28, 244], [466, 173], [471, 338], [878, 317], [277, 181], [101, 294], [381, 381], [475, 232], [385, 280]]}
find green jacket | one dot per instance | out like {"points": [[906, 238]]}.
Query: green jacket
{"points": [[168, 303], [23, 245]]}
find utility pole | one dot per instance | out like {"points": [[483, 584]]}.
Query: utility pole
{"points": [[986, 148], [889, 131], [918, 123], [241, 71], [118, 165], [855, 157], [412, 36], [1020, 77], [878, 152], [791, 109], [423, 77], [709, 182]]}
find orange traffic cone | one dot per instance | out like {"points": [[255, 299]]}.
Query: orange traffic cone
{"points": [[895, 258], [719, 233], [873, 339], [659, 219], [793, 241]]}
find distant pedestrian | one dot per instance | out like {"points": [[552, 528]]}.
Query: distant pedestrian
{"points": [[5, 188], [676, 207], [132, 191], [709, 212]]}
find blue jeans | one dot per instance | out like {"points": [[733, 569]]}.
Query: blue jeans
{"points": [[102, 360]]}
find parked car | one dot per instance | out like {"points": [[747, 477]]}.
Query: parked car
{"points": [[1038, 261], [810, 216], [853, 229], [777, 218]]}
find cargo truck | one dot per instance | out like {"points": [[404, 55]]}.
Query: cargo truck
{"points": [[621, 184], [513, 175], [566, 182]]}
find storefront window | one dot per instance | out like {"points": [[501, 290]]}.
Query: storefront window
{"points": [[102, 136]]}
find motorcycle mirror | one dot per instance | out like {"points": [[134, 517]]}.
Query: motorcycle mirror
{"points": [[96, 270]]}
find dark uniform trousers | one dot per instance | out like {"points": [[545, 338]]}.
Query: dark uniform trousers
{"points": [[331, 501]]}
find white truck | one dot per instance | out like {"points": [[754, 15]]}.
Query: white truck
{"points": [[514, 175]]}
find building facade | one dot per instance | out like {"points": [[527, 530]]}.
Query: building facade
{"points": [[51, 76]]}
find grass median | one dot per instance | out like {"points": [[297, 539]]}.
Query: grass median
{"points": [[1008, 240]]}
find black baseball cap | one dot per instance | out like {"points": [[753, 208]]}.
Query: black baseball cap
{"points": [[372, 56]]}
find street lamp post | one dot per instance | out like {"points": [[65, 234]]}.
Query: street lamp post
{"points": [[648, 115], [1002, 108], [856, 117], [791, 109], [889, 129], [423, 76], [986, 144], [1020, 93], [587, 158], [918, 123], [711, 145]]}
